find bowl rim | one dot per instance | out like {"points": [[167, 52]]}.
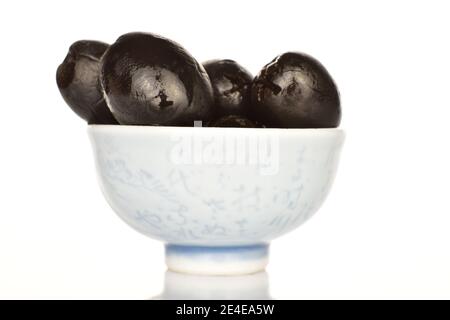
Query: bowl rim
{"points": [[149, 129]]}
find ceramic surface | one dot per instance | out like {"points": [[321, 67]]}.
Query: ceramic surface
{"points": [[215, 186]]}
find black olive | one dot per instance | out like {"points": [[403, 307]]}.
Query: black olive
{"points": [[296, 91], [150, 80], [78, 81], [231, 85], [235, 121]]}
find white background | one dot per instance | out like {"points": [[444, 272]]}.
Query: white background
{"points": [[384, 231]]}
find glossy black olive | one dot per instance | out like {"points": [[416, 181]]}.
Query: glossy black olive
{"points": [[78, 81], [235, 121], [231, 85], [296, 91], [150, 80]]}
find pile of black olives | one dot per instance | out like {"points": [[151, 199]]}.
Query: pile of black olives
{"points": [[145, 79]]}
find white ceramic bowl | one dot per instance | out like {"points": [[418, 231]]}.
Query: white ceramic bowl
{"points": [[215, 196]]}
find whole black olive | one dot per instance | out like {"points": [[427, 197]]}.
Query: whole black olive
{"points": [[234, 121], [78, 81], [231, 85], [296, 91], [150, 80]]}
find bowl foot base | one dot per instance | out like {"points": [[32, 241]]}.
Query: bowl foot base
{"points": [[225, 260]]}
